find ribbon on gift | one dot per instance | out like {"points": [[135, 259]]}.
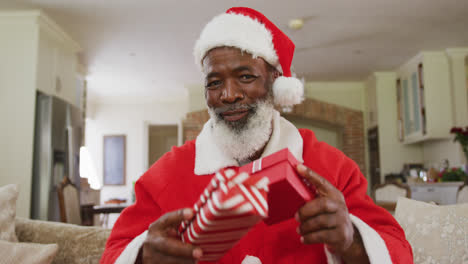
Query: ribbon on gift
{"points": [[227, 209], [287, 190]]}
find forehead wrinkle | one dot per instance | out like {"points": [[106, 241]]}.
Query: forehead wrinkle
{"points": [[243, 68], [235, 70], [234, 60], [212, 75]]}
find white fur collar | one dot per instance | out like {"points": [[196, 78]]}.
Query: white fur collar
{"points": [[209, 158]]}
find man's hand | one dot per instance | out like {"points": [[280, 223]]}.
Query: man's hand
{"points": [[325, 219], [162, 244]]}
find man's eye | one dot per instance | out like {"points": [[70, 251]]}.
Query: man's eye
{"points": [[247, 77], [213, 84]]}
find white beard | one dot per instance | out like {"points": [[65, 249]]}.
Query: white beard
{"points": [[241, 144]]}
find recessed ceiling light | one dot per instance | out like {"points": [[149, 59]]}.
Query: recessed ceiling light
{"points": [[296, 23]]}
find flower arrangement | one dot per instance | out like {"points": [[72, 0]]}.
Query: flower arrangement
{"points": [[454, 174], [461, 135]]}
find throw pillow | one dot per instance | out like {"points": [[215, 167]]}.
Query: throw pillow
{"points": [[437, 234], [8, 197], [27, 252]]}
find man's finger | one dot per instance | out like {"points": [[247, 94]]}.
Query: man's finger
{"points": [[318, 206], [171, 219], [174, 247], [326, 236], [319, 222], [338, 238], [321, 184]]}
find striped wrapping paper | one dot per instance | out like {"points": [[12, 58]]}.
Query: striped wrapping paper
{"points": [[227, 209]]}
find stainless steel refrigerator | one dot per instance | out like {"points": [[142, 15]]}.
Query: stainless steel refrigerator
{"points": [[57, 142]]}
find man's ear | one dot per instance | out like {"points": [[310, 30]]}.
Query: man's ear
{"points": [[276, 74]]}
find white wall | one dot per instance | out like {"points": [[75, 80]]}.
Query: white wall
{"points": [[196, 97], [436, 151], [17, 107], [131, 120], [347, 94]]}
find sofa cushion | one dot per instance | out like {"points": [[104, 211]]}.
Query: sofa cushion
{"points": [[77, 244], [8, 197], [437, 234], [13, 252]]}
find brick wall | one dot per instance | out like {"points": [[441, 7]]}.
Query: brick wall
{"points": [[193, 124], [349, 122]]}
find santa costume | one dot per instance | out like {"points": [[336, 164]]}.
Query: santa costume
{"points": [[176, 180]]}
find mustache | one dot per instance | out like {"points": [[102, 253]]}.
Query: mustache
{"points": [[247, 107]]}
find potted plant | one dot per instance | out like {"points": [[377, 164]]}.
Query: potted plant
{"points": [[454, 174], [461, 135]]}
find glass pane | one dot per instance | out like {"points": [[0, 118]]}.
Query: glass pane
{"points": [[406, 107], [416, 112]]}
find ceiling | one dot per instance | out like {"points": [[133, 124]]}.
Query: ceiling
{"points": [[143, 48]]}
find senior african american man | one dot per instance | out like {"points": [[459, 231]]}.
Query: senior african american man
{"points": [[246, 61]]}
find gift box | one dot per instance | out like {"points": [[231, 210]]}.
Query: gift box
{"points": [[234, 201], [287, 190], [227, 209]]}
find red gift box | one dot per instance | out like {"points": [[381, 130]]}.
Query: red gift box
{"points": [[228, 207], [267, 189], [287, 191]]}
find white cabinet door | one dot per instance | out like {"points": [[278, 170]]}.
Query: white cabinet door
{"points": [[46, 64], [56, 69], [411, 111], [424, 98]]}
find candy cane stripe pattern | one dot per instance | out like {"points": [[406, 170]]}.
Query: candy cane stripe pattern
{"points": [[227, 209]]}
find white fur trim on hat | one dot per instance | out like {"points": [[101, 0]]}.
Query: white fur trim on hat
{"points": [[235, 30], [288, 91]]}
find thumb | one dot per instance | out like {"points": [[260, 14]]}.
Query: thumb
{"points": [[172, 219]]}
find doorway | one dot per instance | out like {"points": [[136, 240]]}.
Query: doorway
{"points": [[161, 138], [466, 77], [374, 156]]}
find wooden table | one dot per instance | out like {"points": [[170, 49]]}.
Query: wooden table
{"points": [[89, 210], [389, 206]]}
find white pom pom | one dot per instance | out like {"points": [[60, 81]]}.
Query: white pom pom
{"points": [[288, 91], [251, 260]]}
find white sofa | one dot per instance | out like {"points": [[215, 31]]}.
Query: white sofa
{"points": [[437, 234]]}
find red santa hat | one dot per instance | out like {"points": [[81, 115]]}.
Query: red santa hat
{"points": [[250, 31]]}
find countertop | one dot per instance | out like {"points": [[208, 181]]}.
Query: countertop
{"points": [[438, 184]]}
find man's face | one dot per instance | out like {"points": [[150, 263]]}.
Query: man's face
{"points": [[234, 84]]}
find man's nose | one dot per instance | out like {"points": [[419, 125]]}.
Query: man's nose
{"points": [[232, 92]]}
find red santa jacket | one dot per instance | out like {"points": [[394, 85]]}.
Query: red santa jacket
{"points": [[171, 184]]}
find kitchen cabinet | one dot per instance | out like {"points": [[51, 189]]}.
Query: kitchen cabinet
{"points": [[56, 62], [423, 98]]}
